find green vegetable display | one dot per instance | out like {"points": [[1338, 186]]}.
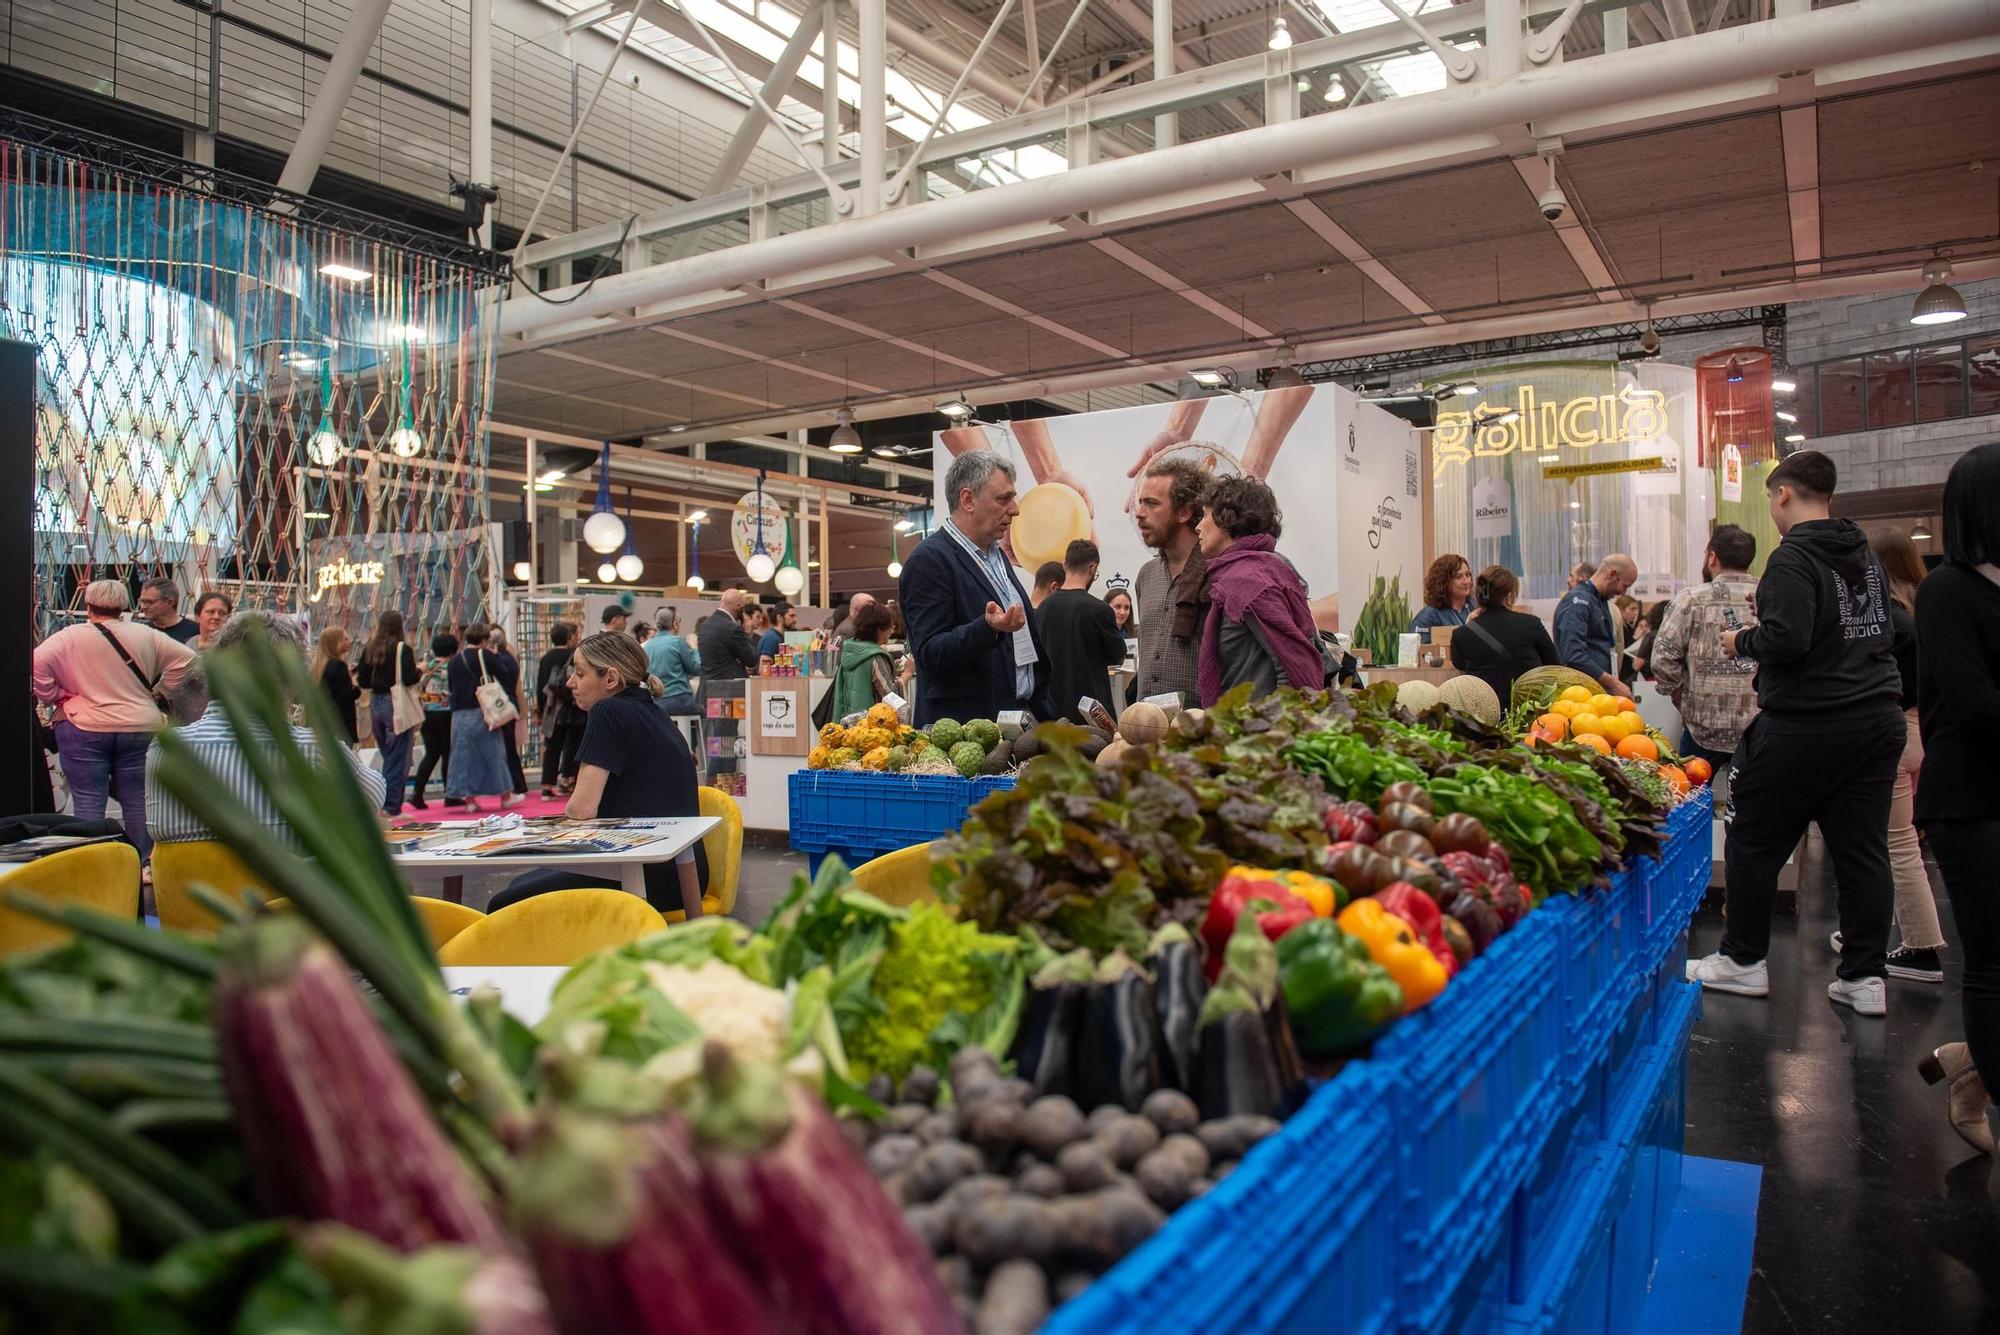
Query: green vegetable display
{"points": [[1384, 616], [1351, 765], [1552, 851], [941, 985]]}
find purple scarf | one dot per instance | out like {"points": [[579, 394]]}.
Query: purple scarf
{"points": [[1250, 577]]}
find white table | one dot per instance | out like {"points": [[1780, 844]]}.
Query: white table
{"points": [[524, 988], [671, 836]]}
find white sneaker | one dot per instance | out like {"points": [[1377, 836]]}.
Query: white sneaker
{"points": [[1868, 996], [1835, 939], [1719, 973]]}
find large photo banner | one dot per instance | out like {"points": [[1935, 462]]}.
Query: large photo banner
{"points": [[1379, 485], [1078, 475]]}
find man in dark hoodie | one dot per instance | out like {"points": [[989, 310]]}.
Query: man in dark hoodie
{"points": [[1825, 743]]}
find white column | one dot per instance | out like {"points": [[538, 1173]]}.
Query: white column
{"points": [[1503, 38], [364, 25], [874, 106], [479, 105], [1167, 126], [829, 93]]}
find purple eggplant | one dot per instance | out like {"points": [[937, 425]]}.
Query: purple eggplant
{"points": [[804, 1214], [332, 1125], [1249, 1060], [1051, 1023], [1118, 1060], [1179, 988], [613, 1215]]}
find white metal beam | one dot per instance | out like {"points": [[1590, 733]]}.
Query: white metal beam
{"points": [[756, 116], [1800, 128], [479, 106], [1166, 125], [873, 57], [336, 85]]}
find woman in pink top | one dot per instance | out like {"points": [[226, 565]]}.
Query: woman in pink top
{"points": [[106, 679]]}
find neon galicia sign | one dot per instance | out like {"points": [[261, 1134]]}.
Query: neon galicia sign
{"points": [[345, 575], [1629, 417]]}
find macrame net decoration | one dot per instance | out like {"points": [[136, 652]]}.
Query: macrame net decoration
{"points": [[212, 407]]}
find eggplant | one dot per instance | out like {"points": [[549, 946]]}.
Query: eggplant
{"points": [[1179, 988], [1045, 1046], [614, 1216], [804, 1214], [332, 1125], [1249, 1060], [1118, 1058]]}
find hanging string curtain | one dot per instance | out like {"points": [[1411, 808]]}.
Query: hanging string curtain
{"points": [[1733, 405]]}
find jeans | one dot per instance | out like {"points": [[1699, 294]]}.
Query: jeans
{"points": [[437, 749], [393, 747], [107, 764], [1789, 774], [1916, 909], [1967, 852]]}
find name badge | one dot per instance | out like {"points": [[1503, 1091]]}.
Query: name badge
{"points": [[1024, 648]]}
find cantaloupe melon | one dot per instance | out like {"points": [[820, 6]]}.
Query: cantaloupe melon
{"points": [[1540, 686], [1470, 695], [1142, 724], [1416, 696]]}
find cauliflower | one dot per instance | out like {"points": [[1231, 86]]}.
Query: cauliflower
{"points": [[746, 1017]]}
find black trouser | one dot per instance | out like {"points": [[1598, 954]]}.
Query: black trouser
{"points": [[1968, 852], [559, 752], [437, 749], [1789, 773], [515, 774]]}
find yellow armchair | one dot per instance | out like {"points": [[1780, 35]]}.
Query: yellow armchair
{"points": [[177, 866], [443, 919], [902, 878], [724, 847], [558, 927], [103, 876]]}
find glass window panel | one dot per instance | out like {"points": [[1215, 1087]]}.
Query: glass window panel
{"points": [[1983, 359], [1840, 397], [1805, 402], [1940, 382], [1890, 401]]}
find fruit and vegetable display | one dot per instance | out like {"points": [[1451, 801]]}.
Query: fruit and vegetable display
{"points": [[879, 742], [857, 1116]]}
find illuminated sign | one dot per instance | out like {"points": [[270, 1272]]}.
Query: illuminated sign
{"points": [[1565, 472], [1629, 417], [345, 575]]}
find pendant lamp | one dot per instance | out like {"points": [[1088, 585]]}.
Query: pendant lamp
{"points": [[607, 573], [630, 567], [760, 566], [604, 530], [406, 441], [325, 446], [789, 579], [895, 559], [694, 579]]}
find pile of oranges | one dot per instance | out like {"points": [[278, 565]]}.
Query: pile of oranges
{"points": [[1612, 725]]}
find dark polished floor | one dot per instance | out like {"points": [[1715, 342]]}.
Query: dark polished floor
{"points": [[1874, 1216]]}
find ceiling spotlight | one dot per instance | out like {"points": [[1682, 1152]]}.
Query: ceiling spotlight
{"points": [[1649, 340], [1211, 377], [346, 273], [1336, 91], [1795, 438], [696, 517], [1497, 417], [1283, 375], [845, 439], [523, 571], [1784, 416], [1784, 386], [905, 524], [678, 428], [1733, 373], [1281, 36], [958, 410], [1939, 302], [1922, 532]]}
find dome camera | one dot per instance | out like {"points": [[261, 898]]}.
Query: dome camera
{"points": [[1553, 203]]}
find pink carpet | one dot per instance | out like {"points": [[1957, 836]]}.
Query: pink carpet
{"points": [[536, 805]]}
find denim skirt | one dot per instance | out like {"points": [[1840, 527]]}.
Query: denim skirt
{"points": [[478, 758]]}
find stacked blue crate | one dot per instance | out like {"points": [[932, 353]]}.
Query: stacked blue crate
{"points": [[861, 815]]}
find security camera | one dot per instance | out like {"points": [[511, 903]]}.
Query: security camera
{"points": [[1553, 203]]}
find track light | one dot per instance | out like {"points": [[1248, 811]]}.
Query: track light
{"points": [[1784, 386], [1211, 377], [1939, 302], [845, 439], [1496, 418], [1281, 36], [1796, 438], [1787, 417], [958, 410]]}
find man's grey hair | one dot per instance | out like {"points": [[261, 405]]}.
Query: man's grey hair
{"points": [[667, 619], [287, 633], [971, 469]]}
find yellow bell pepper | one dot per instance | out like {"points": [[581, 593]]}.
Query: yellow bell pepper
{"points": [[1392, 945], [1316, 891]]}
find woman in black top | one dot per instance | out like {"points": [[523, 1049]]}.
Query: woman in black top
{"points": [[1497, 644], [1958, 802], [329, 669], [633, 762], [478, 759], [555, 710], [386, 662], [514, 735]]}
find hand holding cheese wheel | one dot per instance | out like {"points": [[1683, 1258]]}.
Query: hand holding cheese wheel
{"points": [[1053, 515]]}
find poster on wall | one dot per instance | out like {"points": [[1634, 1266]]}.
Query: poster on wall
{"points": [[1381, 509], [1732, 473], [1492, 508]]}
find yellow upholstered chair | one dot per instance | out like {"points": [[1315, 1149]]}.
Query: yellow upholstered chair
{"points": [[723, 846], [901, 878], [557, 927], [177, 866], [103, 876], [443, 919]]}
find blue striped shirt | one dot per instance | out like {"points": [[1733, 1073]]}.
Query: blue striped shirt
{"points": [[1001, 580], [214, 744]]}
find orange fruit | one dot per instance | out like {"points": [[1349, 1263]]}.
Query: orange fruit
{"points": [[1594, 742], [1627, 705], [1676, 778], [1699, 771], [1586, 725], [1576, 694], [1555, 725], [1639, 747]]}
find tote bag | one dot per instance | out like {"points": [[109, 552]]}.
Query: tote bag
{"points": [[408, 708], [494, 706]]}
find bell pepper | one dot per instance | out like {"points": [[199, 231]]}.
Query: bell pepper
{"points": [[1338, 996], [1392, 945], [1317, 891], [1277, 911], [1420, 911]]}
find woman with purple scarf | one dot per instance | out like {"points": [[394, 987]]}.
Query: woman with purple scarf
{"points": [[1260, 625]]}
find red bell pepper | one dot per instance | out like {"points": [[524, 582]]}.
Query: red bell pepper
{"points": [[1278, 910], [1420, 911]]}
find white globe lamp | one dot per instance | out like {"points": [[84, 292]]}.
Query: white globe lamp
{"points": [[607, 573], [895, 570], [697, 583], [325, 445], [603, 532], [760, 567], [523, 571], [790, 579], [405, 442], [630, 567]]}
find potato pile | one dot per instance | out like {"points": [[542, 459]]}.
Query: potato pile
{"points": [[1026, 1200]]}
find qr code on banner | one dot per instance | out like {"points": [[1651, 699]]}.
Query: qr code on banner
{"points": [[1410, 475]]}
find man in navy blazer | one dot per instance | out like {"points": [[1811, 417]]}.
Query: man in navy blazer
{"points": [[972, 631]]}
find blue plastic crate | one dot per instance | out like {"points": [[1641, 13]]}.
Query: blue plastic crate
{"points": [[1478, 1079], [1568, 1289], [1599, 930], [1648, 1128], [1317, 1183], [864, 815], [1478, 1303], [1552, 1180]]}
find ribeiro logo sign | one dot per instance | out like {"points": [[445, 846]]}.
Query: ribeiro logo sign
{"points": [[1629, 417]]}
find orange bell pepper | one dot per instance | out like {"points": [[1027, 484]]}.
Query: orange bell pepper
{"points": [[1392, 945]]}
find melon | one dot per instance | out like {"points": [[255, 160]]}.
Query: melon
{"points": [[1470, 695], [1115, 748], [1142, 724], [1416, 696], [1540, 686], [1053, 515]]}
